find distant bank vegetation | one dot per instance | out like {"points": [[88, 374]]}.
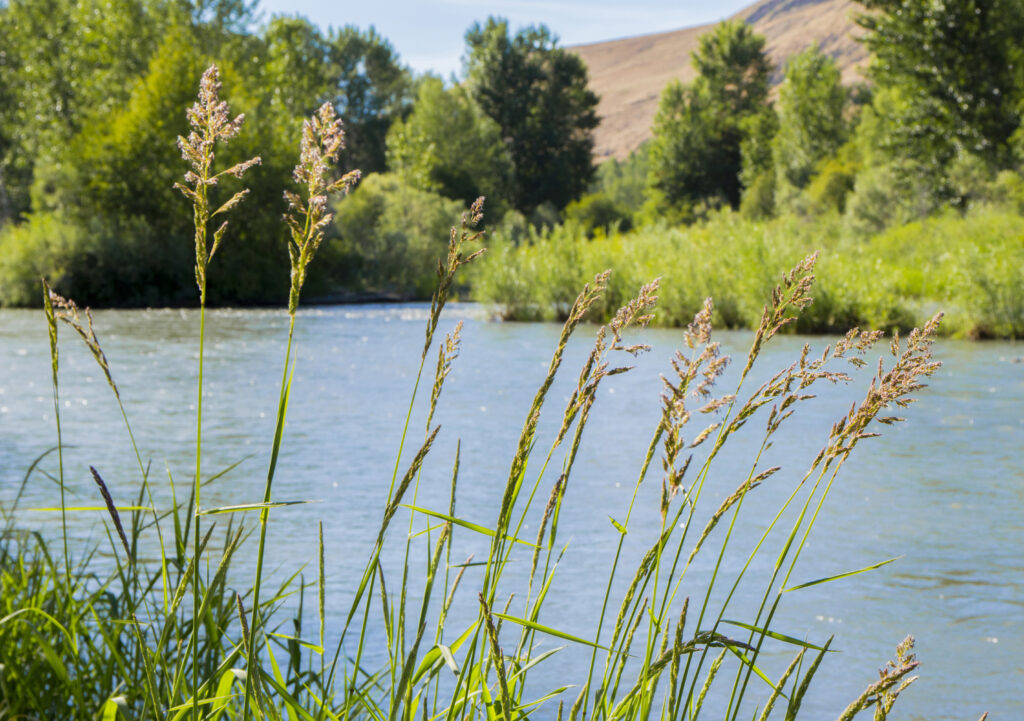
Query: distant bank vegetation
{"points": [[911, 183]]}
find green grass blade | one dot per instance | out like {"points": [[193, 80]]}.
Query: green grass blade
{"points": [[465, 524], [547, 629], [774, 634], [872, 567], [753, 667], [242, 507]]}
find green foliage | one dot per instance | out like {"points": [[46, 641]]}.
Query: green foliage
{"points": [[448, 146], [91, 97], [43, 247], [830, 188], [699, 129], [391, 236], [968, 265], [370, 89], [810, 109], [759, 197], [61, 63], [732, 63], [625, 181], [957, 66], [759, 131], [598, 212], [537, 94], [692, 159], [757, 173]]}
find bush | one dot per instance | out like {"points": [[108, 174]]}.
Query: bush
{"points": [[599, 212], [759, 199], [43, 246], [391, 236], [830, 188]]}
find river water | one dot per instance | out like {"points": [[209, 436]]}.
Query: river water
{"points": [[945, 490]]}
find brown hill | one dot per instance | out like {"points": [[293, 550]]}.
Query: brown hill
{"points": [[629, 74]]}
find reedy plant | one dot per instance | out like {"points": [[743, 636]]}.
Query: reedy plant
{"points": [[211, 124], [322, 141], [654, 651]]}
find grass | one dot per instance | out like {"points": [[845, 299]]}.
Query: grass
{"points": [[967, 265], [163, 636]]}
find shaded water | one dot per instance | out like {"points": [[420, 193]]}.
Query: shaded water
{"points": [[944, 490]]}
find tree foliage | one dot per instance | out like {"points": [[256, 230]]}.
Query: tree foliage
{"points": [[957, 66], [537, 94], [810, 110], [699, 128], [448, 146]]}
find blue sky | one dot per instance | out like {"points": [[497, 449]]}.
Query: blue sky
{"points": [[428, 35]]}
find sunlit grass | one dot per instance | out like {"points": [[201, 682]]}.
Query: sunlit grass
{"points": [[84, 638]]}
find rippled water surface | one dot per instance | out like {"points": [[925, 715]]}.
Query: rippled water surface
{"points": [[945, 490]]}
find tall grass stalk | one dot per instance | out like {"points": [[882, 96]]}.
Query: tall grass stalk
{"points": [[211, 124], [118, 638], [322, 141]]}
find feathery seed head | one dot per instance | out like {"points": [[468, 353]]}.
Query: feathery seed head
{"points": [[322, 142]]}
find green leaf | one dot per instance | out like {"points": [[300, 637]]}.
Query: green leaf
{"points": [[747, 662], [111, 706], [466, 524], [242, 507], [307, 644], [774, 634], [547, 629], [841, 575], [70, 509], [618, 526]]}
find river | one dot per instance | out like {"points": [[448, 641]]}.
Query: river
{"points": [[944, 491]]}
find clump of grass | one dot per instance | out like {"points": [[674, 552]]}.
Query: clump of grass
{"points": [[122, 642], [894, 280]]}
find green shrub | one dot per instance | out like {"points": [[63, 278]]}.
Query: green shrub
{"points": [[390, 236], [599, 212], [41, 247], [758, 201], [830, 188]]}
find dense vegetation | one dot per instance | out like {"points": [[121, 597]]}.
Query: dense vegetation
{"points": [[163, 628], [911, 186], [93, 95], [929, 148]]}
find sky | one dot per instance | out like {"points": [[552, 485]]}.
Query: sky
{"points": [[428, 34]]}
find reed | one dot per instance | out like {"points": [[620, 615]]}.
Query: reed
{"points": [[83, 639]]}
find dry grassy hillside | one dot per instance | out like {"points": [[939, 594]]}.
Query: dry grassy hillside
{"points": [[629, 74]]}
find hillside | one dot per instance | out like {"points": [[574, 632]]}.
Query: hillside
{"points": [[629, 74]]}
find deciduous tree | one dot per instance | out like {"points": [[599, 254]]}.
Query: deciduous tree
{"points": [[537, 94]]}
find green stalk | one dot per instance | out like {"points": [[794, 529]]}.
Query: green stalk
{"points": [[282, 409], [196, 540], [54, 362]]}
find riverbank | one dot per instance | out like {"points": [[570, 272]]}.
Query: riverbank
{"points": [[968, 266]]}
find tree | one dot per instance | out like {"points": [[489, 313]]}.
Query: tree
{"points": [[296, 65], [757, 174], [537, 94], [699, 128], [956, 66], [61, 63], [448, 146], [370, 89], [812, 127], [732, 64], [692, 159]]}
